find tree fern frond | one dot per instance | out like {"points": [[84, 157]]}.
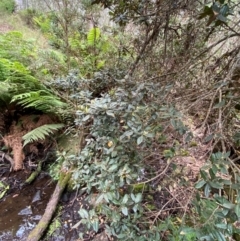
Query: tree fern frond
{"points": [[93, 36], [40, 133], [40, 100], [52, 55], [18, 76]]}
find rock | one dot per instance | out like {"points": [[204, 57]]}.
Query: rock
{"points": [[37, 196], [26, 211]]}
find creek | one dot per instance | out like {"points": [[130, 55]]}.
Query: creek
{"points": [[23, 206]]}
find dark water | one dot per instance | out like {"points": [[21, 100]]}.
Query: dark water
{"points": [[23, 207], [21, 210]]}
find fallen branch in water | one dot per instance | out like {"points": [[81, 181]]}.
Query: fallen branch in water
{"points": [[34, 174], [38, 231]]}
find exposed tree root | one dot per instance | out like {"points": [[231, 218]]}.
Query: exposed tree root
{"points": [[39, 230]]}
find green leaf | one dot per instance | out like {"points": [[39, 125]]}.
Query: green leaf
{"points": [[228, 205], [216, 185], [221, 225], [100, 64], [114, 154], [93, 36], [204, 175], [138, 198], [83, 213], [224, 202], [225, 10], [140, 140], [2, 193], [222, 19], [173, 123], [135, 208], [128, 133], [95, 225], [100, 198], [125, 199], [237, 210], [187, 231], [200, 184], [113, 168], [105, 195], [207, 190], [110, 113], [219, 236], [125, 211], [215, 7]]}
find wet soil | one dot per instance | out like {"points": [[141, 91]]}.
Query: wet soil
{"points": [[22, 207]]}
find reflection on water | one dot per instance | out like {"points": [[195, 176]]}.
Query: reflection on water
{"points": [[21, 211]]}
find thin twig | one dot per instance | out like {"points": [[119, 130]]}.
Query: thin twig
{"points": [[210, 108], [159, 175]]}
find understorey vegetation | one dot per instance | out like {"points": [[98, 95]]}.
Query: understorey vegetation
{"points": [[146, 96]]}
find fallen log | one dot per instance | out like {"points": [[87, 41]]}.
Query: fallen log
{"points": [[38, 231]]}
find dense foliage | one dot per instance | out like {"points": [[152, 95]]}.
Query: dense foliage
{"points": [[7, 6], [144, 98]]}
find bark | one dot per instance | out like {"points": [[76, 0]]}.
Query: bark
{"points": [[39, 230]]}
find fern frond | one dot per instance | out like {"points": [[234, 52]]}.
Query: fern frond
{"points": [[40, 100], [18, 77], [93, 36], [40, 133], [53, 55]]}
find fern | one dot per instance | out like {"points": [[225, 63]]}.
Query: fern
{"points": [[15, 48], [40, 100], [41, 133], [93, 36], [53, 55], [18, 76]]}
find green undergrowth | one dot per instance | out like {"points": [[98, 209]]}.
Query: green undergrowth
{"points": [[15, 23], [132, 134], [7, 6]]}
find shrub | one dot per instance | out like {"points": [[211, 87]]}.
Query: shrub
{"points": [[28, 15], [121, 125], [7, 6]]}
